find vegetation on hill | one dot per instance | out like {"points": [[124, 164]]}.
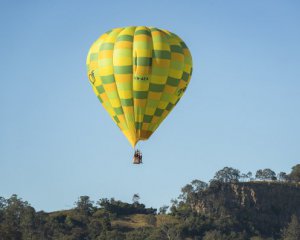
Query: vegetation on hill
{"points": [[231, 206]]}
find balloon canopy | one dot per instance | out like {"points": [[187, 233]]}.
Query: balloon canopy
{"points": [[139, 74]]}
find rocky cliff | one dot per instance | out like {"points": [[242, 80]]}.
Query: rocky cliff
{"points": [[264, 206]]}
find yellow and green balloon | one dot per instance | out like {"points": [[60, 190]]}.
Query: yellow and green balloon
{"points": [[139, 74]]}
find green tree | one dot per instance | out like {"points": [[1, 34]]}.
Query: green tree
{"points": [[256, 238], [171, 231], [295, 174], [260, 238], [199, 185], [246, 176], [292, 231], [27, 223], [213, 235], [186, 192], [282, 176], [15, 216], [227, 174], [85, 205], [189, 191], [269, 174], [259, 174], [95, 228], [163, 209], [138, 234], [265, 174], [135, 198], [151, 220], [112, 235], [104, 218]]}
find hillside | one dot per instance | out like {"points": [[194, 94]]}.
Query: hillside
{"points": [[263, 208]]}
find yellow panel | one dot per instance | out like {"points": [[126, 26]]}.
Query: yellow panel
{"points": [[125, 94], [144, 53], [108, 70], [123, 78], [175, 73], [115, 102], [124, 44], [112, 36], [122, 61], [140, 102], [164, 115], [162, 105], [110, 87], [121, 118], [158, 62], [154, 95], [170, 89], [127, 108], [142, 38], [150, 111], [187, 68], [142, 70], [104, 62], [139, 116], [104, 97], [177, 57], [174, 99], [142, 86], [158, 79], [93, 65], [154, 119], [128, 30], [145, 126], [105, 54], [145, 134]]}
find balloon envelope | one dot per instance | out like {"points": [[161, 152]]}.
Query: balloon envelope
{"points": [[139, 74]]}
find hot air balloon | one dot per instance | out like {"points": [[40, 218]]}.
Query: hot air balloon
{"points": [[139, 74]]}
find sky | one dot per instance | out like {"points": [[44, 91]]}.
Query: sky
{"points": [[241, 108]]}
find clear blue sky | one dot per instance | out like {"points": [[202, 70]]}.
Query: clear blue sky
{"points": [[241, 108]]}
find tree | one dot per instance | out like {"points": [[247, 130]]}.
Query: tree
{"points": [[151, 219], [135, 198], [104, 218], [243, 177], [199, 185], [2, 207], [186, 192], [17, 219], [138, 234], [292, 232], [259, 174], [95, 228], [295, 174], [163, 209], [269, 174], [265, 174], [171, 231], [282, 176], [227, 174], [27, 222], [85, 205], [249, 175], [213, 235], [256, 238], [112, 235], [190, 191]]}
